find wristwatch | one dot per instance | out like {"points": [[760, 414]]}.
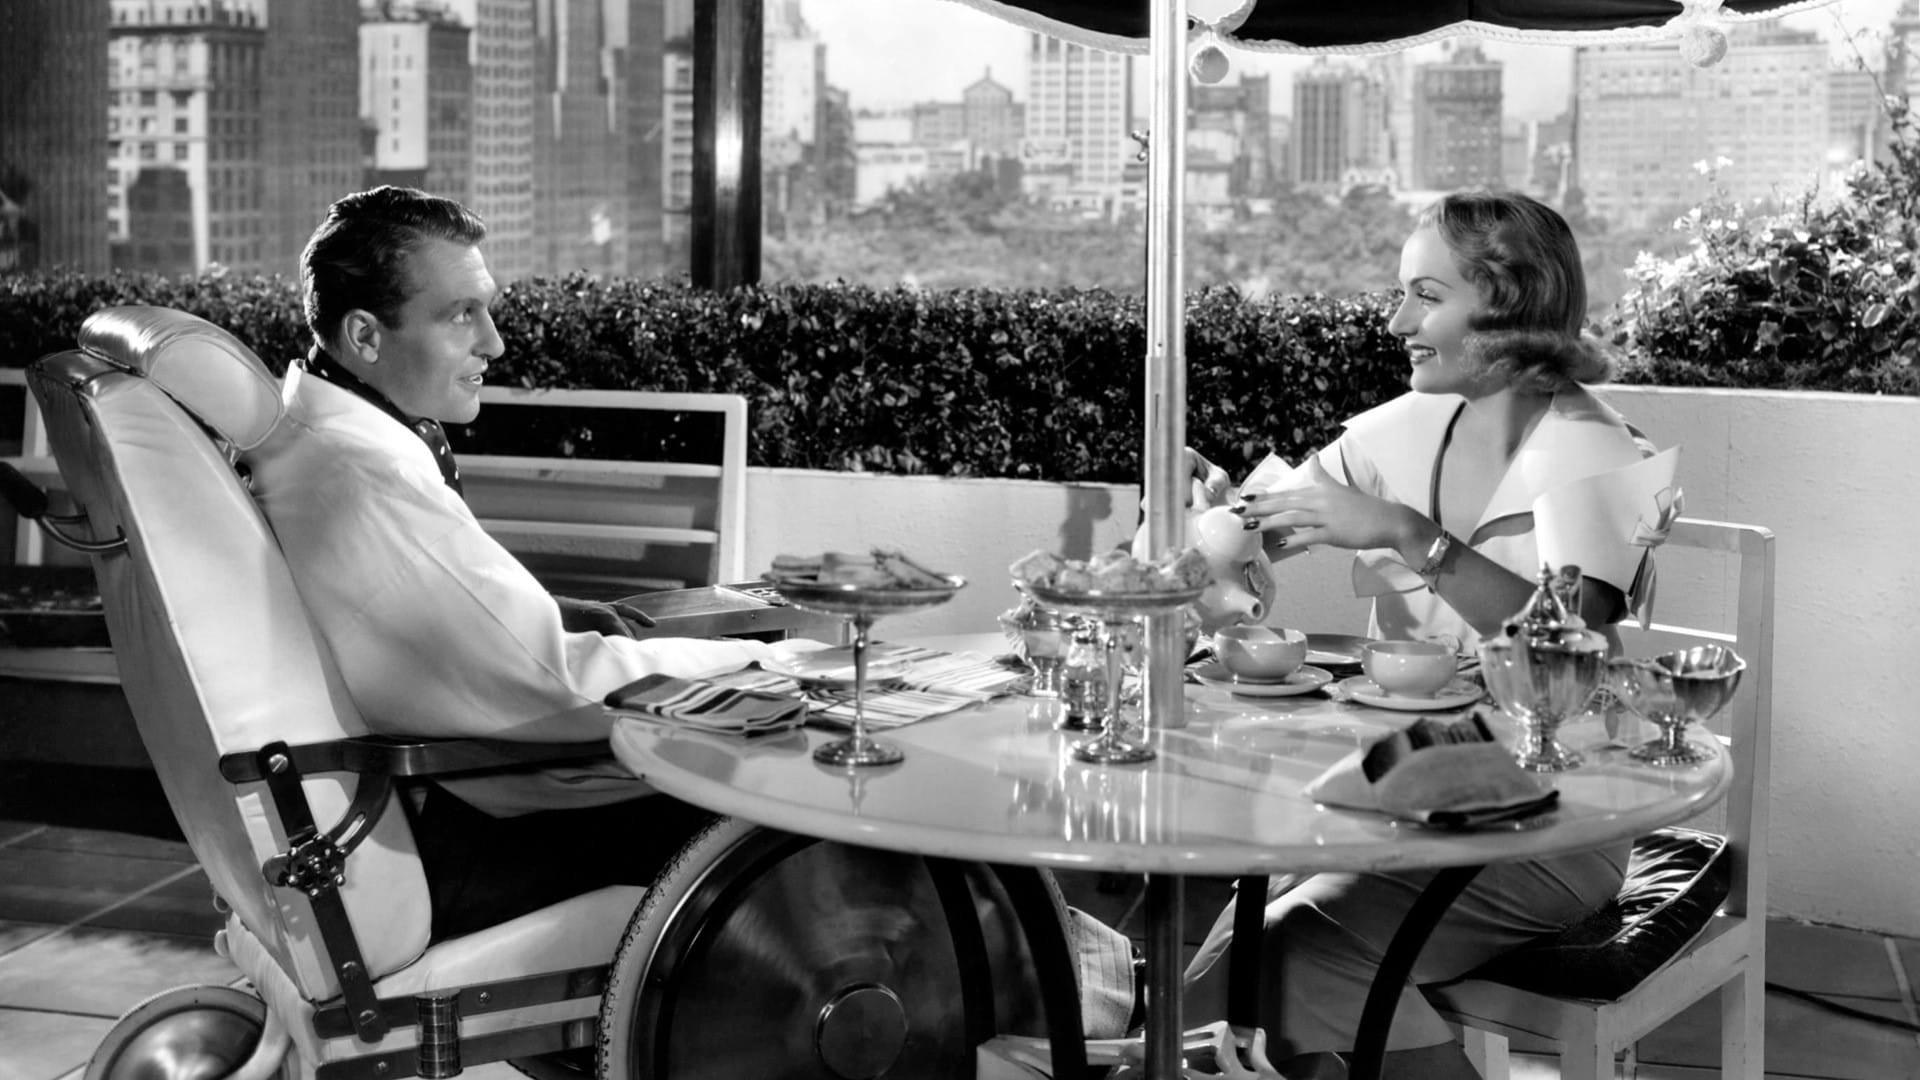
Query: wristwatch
{"points": [[1436, 554]]}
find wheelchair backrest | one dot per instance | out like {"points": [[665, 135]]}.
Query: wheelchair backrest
{"points": [[148, 420]]}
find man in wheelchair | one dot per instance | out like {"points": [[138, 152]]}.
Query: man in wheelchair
{"points": [[340, 678], [436, 628]]}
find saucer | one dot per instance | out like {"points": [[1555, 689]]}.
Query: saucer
{"points": [[1455, 694], [1304, 680], [1338, 651], [834, 668]]}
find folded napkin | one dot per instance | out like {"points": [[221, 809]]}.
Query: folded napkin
{"points": [[1452, 774], [709, 706]]}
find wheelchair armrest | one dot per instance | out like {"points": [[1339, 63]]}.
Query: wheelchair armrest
{"points": [[399, 755]]}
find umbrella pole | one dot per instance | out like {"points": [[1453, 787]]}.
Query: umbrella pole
{"points": [[1164, 484], [1163, 698]]}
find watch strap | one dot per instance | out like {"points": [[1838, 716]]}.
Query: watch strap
{"points": [[1436, 556]]}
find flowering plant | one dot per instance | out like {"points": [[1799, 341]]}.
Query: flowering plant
{"points": [[1822, 295]]}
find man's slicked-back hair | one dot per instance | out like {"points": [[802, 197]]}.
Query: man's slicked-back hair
{"points": [[357, 258]]}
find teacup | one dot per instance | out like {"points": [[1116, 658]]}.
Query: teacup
{"points": [[1410, 668], [1260, 652]]}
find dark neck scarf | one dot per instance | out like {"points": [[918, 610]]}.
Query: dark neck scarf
{"points": [[430, 432]]}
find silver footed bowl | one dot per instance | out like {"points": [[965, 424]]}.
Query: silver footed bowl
{"points": [[1542, 681], [1111, 605], [1674, 689], [852, 599]]}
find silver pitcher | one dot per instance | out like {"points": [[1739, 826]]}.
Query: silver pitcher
{"points": [[1544, 667]]}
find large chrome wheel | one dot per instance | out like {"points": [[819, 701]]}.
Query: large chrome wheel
{"points": [[188, 1033], [763, 954]]}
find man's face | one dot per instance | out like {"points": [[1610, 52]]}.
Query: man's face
{"points": [[432, 357]]}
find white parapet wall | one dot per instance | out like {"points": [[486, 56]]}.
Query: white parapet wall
{"points": [[1837, 479], [1833, 475]]}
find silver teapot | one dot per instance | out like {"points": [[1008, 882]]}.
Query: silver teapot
{"points": [[1543, 668]]}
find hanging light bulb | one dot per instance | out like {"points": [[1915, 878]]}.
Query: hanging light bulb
{"points": [[1703, 33], [1703, 45], [1209, 64]]}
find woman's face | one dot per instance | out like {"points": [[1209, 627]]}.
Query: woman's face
{"points": [[1437, 302]]}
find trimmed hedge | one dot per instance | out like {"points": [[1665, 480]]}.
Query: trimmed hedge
{"points": [[1032, 384]]}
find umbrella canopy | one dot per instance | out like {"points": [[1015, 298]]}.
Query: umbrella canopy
{"points": [[1387, 25]]}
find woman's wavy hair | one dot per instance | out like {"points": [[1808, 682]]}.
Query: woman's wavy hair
{"points": [[1523, 256], [357, 258]]}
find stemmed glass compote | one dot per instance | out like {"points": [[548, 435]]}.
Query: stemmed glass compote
{"points": [[1674, 689], [860, 604], [1116, 613]]}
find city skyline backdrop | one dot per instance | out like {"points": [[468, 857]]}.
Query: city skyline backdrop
{"points": [[214, 132], [946, 45]]}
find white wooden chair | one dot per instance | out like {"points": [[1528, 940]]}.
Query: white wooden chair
{"points": [[662, 517], [595, 527], [1708, 568]]}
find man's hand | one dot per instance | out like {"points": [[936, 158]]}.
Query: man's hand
{"points": [[614, 620]]}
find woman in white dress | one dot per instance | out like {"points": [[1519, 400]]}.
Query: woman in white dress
{"points": [[1434, 493]]}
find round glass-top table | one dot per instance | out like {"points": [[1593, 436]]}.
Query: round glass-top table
{"points": [[1223, 797]]}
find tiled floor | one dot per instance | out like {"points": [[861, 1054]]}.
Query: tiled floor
{"points": [[101, 906]]}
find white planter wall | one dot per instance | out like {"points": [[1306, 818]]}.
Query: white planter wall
{"points": [[1832, 475]]}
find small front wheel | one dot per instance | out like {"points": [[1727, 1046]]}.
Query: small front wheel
{"points": [[187, 1033]]}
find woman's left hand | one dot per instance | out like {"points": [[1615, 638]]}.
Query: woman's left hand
{"points": [[1325, 511]]}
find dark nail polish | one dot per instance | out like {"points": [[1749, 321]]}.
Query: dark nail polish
{"points": [[1238, 508], [1250, 524], [1280, 543]]}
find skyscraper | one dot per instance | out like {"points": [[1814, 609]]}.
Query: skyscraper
{"points": [[503, 133], [416, 100], [645, 66], [185, 183], [676, 140], [580, 142], [795, 71], [1341, 134], [1857, 119], [1079, 104], [1456, 120], [1227, 142], [53, 135], [986, 121], [793, 81], [308, 116], [990, 118], [1646, 116], [1902, 75]]}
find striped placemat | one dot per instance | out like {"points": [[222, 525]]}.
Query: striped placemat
{"points": [[931, 683]]}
